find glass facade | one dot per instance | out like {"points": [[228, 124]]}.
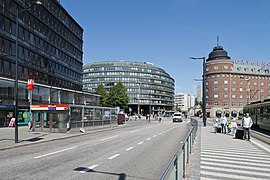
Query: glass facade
{"points": [[49, 43], [148, 86], [49, 51]]}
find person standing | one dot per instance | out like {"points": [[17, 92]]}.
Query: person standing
{"points": [[215, 126], [234, 127], [247, 123], [223, 122]]}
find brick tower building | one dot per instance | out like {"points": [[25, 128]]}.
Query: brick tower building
{"points": [[230, 85]]}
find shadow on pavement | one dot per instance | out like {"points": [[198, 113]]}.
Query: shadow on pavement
{"points": [[122, 176]]}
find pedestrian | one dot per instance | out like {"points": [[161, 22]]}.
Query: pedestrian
{"points": [[30, 124], [234, 127], [223, 122], [215, 125], [247, 123]]}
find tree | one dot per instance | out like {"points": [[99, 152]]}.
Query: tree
{"points": [[118, 96], [103, 95]]}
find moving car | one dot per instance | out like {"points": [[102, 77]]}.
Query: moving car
{"points": [[177, 117]]}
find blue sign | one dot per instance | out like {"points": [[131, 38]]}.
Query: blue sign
{"points": [[52, 108]]}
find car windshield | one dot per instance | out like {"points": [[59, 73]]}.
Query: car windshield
{"points": [[177, 114]]}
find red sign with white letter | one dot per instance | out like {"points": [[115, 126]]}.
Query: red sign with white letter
{"points": [[30, 85]]}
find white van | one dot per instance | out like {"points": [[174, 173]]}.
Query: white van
{"points": [[177, 117]]}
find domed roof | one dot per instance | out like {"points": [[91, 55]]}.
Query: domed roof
{"points": [[218, 53]]}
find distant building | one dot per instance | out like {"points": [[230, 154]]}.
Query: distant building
{"points": [[183, 101], [150, 88], [199, 93]]}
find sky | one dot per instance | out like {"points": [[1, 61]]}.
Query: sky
{"points": [[168, 32]]}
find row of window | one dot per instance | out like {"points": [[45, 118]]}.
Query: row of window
{"points": [[241, 96], [238, 76], [234, 89], [240, 82], [225, 103], [7, 69], [45, 95], [38, 43], [29, 58], [127, 73]]}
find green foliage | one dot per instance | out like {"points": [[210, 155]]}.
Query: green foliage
{"points": [[118, 96], [103, 95]]}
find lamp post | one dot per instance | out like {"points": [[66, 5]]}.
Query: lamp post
{"points": [[16, 68], [139, 99], [204, 89]]}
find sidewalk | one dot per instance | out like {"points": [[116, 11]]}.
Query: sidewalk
{"points": [[219, 156], [26, 137]]}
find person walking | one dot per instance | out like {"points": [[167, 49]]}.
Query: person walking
{"points": [[223, 122], [234, 127], [247, 123]]}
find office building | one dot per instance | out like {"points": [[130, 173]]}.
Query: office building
{"points": [[183, 102], [49, 51], [150, 88]]}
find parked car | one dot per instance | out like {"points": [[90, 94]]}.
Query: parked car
{"points": [[177, 117]]}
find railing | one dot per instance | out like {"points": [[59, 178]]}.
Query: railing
{"points": [[177, 166]]}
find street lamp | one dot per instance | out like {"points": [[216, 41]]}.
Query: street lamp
{"points": [[204, 89], [16, 68]]}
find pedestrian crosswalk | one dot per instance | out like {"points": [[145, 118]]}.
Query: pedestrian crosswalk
{"points": [[223, 157]]}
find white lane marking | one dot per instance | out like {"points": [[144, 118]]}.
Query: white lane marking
{"points": [[155, 136], [129, 148], [134, 131], [89, 168], [140, 142], [159, 133], [114, 156], [163, 131], [109, 137], [148, 139], [54, 152], [92, 167]]}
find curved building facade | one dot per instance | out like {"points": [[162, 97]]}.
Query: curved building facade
{"points": [[230, 85], [150, 88]]}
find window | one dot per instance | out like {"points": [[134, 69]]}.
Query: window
{"points": [[262, 83], [233, 89], [233, 103], [233, 82], [241, 89], [268, 84], [225, 103], [233, 95], [255, 83], [225, 95], [215, 95], [215, 89], [216, 82], [225, 89], [241, 96], [225, 81]]}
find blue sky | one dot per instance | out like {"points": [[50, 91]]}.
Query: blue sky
{"points": [[168, 32]]}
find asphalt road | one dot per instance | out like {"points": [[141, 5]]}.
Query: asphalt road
{"points": [[133, 152]]}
